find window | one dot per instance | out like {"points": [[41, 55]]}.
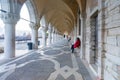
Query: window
{"points": [[94, 40]]}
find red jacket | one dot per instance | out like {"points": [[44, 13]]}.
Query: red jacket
{"points": [[77, 44]]}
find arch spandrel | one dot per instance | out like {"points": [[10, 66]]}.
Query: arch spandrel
{"points": [[44, 6], [67, 9], [60, 26], [32, 11], [54, 6], [73, 5], [54, 15], [21, 1], [82, 5], [61, 20]]}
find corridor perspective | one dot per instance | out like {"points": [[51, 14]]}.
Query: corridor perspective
{"points": [[50, 63], [95, 22]]}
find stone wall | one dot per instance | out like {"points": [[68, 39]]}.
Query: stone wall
{"points": [[108, 67], [90, 10], [112, 25]]}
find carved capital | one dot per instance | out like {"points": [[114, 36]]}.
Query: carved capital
{"points": [[43, 28], [83, 15], [9, 18], [49, 29], [34, 26]]}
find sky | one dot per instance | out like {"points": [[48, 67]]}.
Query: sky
{"points": [[22, 25]]}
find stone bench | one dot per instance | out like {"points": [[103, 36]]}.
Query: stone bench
{"points": [[77, 50]]}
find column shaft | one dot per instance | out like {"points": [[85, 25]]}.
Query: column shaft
{"points": [[44, 37], [10, 18], [34, 28], [35, 38], [49, 38], [9, 46], [52, 37]]}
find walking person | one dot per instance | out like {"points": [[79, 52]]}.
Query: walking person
{"points": [[69, 39]]}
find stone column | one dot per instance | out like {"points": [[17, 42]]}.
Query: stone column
{"points": [[44, 29], [59, 36], [10, 16], [10, 21], [83, 21], [34, 28], [53, 35], [49, 35]]}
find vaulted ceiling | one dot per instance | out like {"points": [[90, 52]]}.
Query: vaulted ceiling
{"points": [[62, 14]]}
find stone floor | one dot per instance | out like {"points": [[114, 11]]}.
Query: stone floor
{"points": [[18, 54], [55, 62]]}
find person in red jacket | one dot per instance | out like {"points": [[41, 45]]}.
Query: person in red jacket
{"points": [[76, 44]]}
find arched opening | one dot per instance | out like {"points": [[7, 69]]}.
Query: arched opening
{"points": [[23, 31], [1, 33]]}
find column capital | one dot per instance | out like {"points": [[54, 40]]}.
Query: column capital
{"points": [[10, 18], [50, 29], [83, 15], [34, 26], [44, 28]]}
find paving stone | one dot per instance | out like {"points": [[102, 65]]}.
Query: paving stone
{"points": [[51, 64], [64, 59], [52, 52]]}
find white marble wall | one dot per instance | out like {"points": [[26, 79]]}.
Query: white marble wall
{"points": [[109, 43], [112, 23]]}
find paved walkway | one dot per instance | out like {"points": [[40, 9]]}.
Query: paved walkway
{"points": [[18, 54], [51, 63]]}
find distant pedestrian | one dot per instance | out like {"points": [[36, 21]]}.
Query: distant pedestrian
{"points": [[69, 39], [64, 36]]}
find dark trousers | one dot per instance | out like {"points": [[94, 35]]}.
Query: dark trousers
{"points": [[72, 48]]}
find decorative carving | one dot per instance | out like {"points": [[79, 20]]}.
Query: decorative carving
{"points": [[34, 26], [43, 28], [49, 30], [9, 18]]}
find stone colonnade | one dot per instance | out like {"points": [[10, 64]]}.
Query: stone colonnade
{"points": [[10, 18]]}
